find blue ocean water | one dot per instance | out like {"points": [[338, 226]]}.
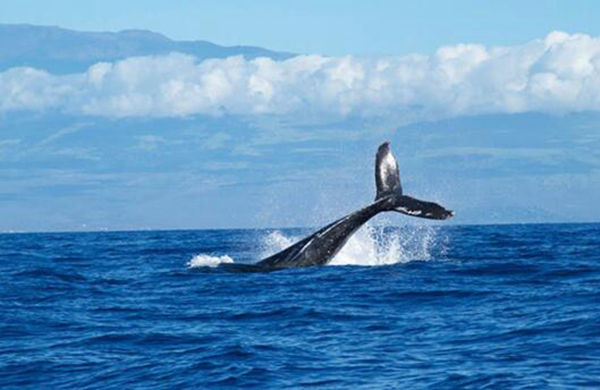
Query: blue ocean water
{"points": [[465, 307]]}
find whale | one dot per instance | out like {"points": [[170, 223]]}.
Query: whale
{"points": [[321, 247]]}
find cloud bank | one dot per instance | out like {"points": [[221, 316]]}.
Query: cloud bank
{"points": [[560, 73]]}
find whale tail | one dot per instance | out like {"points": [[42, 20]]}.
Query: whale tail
{"points": [[389, 190], [321, 246]]}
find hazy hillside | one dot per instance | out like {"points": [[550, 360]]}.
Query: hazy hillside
{"points": [[227, 171], [59, 50]]}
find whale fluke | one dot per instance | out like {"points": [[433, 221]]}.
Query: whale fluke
{"points": [[387, 177]]}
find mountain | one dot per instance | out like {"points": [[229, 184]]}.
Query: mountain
{"points": [[60, 51], [61, 171]]}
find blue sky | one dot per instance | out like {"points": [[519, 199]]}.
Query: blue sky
{"points": [[333, 27], [493, 110]]}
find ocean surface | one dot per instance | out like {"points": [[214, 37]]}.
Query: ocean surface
{"points": [[417, 307]]}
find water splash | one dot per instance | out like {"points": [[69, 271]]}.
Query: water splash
{"points": [[203, 260], [275, 242], [372, 246], [270, 244]]}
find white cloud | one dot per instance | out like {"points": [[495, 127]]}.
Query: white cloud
{"points": [[560, 73]]}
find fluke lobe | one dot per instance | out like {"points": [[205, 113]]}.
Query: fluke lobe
{"points": [[320, 247]]}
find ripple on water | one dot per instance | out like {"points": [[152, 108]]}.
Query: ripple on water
{"points": [[459, 307]]}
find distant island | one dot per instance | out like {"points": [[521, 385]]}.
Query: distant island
{"points": [[62, 51]]}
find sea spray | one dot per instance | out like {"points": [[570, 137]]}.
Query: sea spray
{"points": [[275, 241], [371, 245], [203, 260]]}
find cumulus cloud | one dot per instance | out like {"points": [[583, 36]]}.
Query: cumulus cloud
{"points": [[560, 73]]}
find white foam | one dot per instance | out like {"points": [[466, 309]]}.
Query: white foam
{"points": [[202, 260], [275, 242], [370, 246], [373, 246]]}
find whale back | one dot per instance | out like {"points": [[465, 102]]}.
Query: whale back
{"points": [[320, 247]]}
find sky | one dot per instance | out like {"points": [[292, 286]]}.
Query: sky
{"points": [[492, 110], [333, 27]]}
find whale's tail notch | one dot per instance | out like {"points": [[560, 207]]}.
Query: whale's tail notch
{"points": [[389, 190]]}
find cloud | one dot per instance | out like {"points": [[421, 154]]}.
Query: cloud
{"points": [[560, 73], [149, 142], [78, 153], [217, 140], [62, 133]]}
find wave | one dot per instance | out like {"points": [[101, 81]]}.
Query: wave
{"points": [[203, 260]]}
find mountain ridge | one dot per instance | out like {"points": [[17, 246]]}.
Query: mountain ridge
{"points": [[62, 51]]}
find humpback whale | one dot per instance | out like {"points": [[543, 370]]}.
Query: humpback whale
{"points": [[320, 247]]}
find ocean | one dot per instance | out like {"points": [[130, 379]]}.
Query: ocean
{"points": [[413, 307]]}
